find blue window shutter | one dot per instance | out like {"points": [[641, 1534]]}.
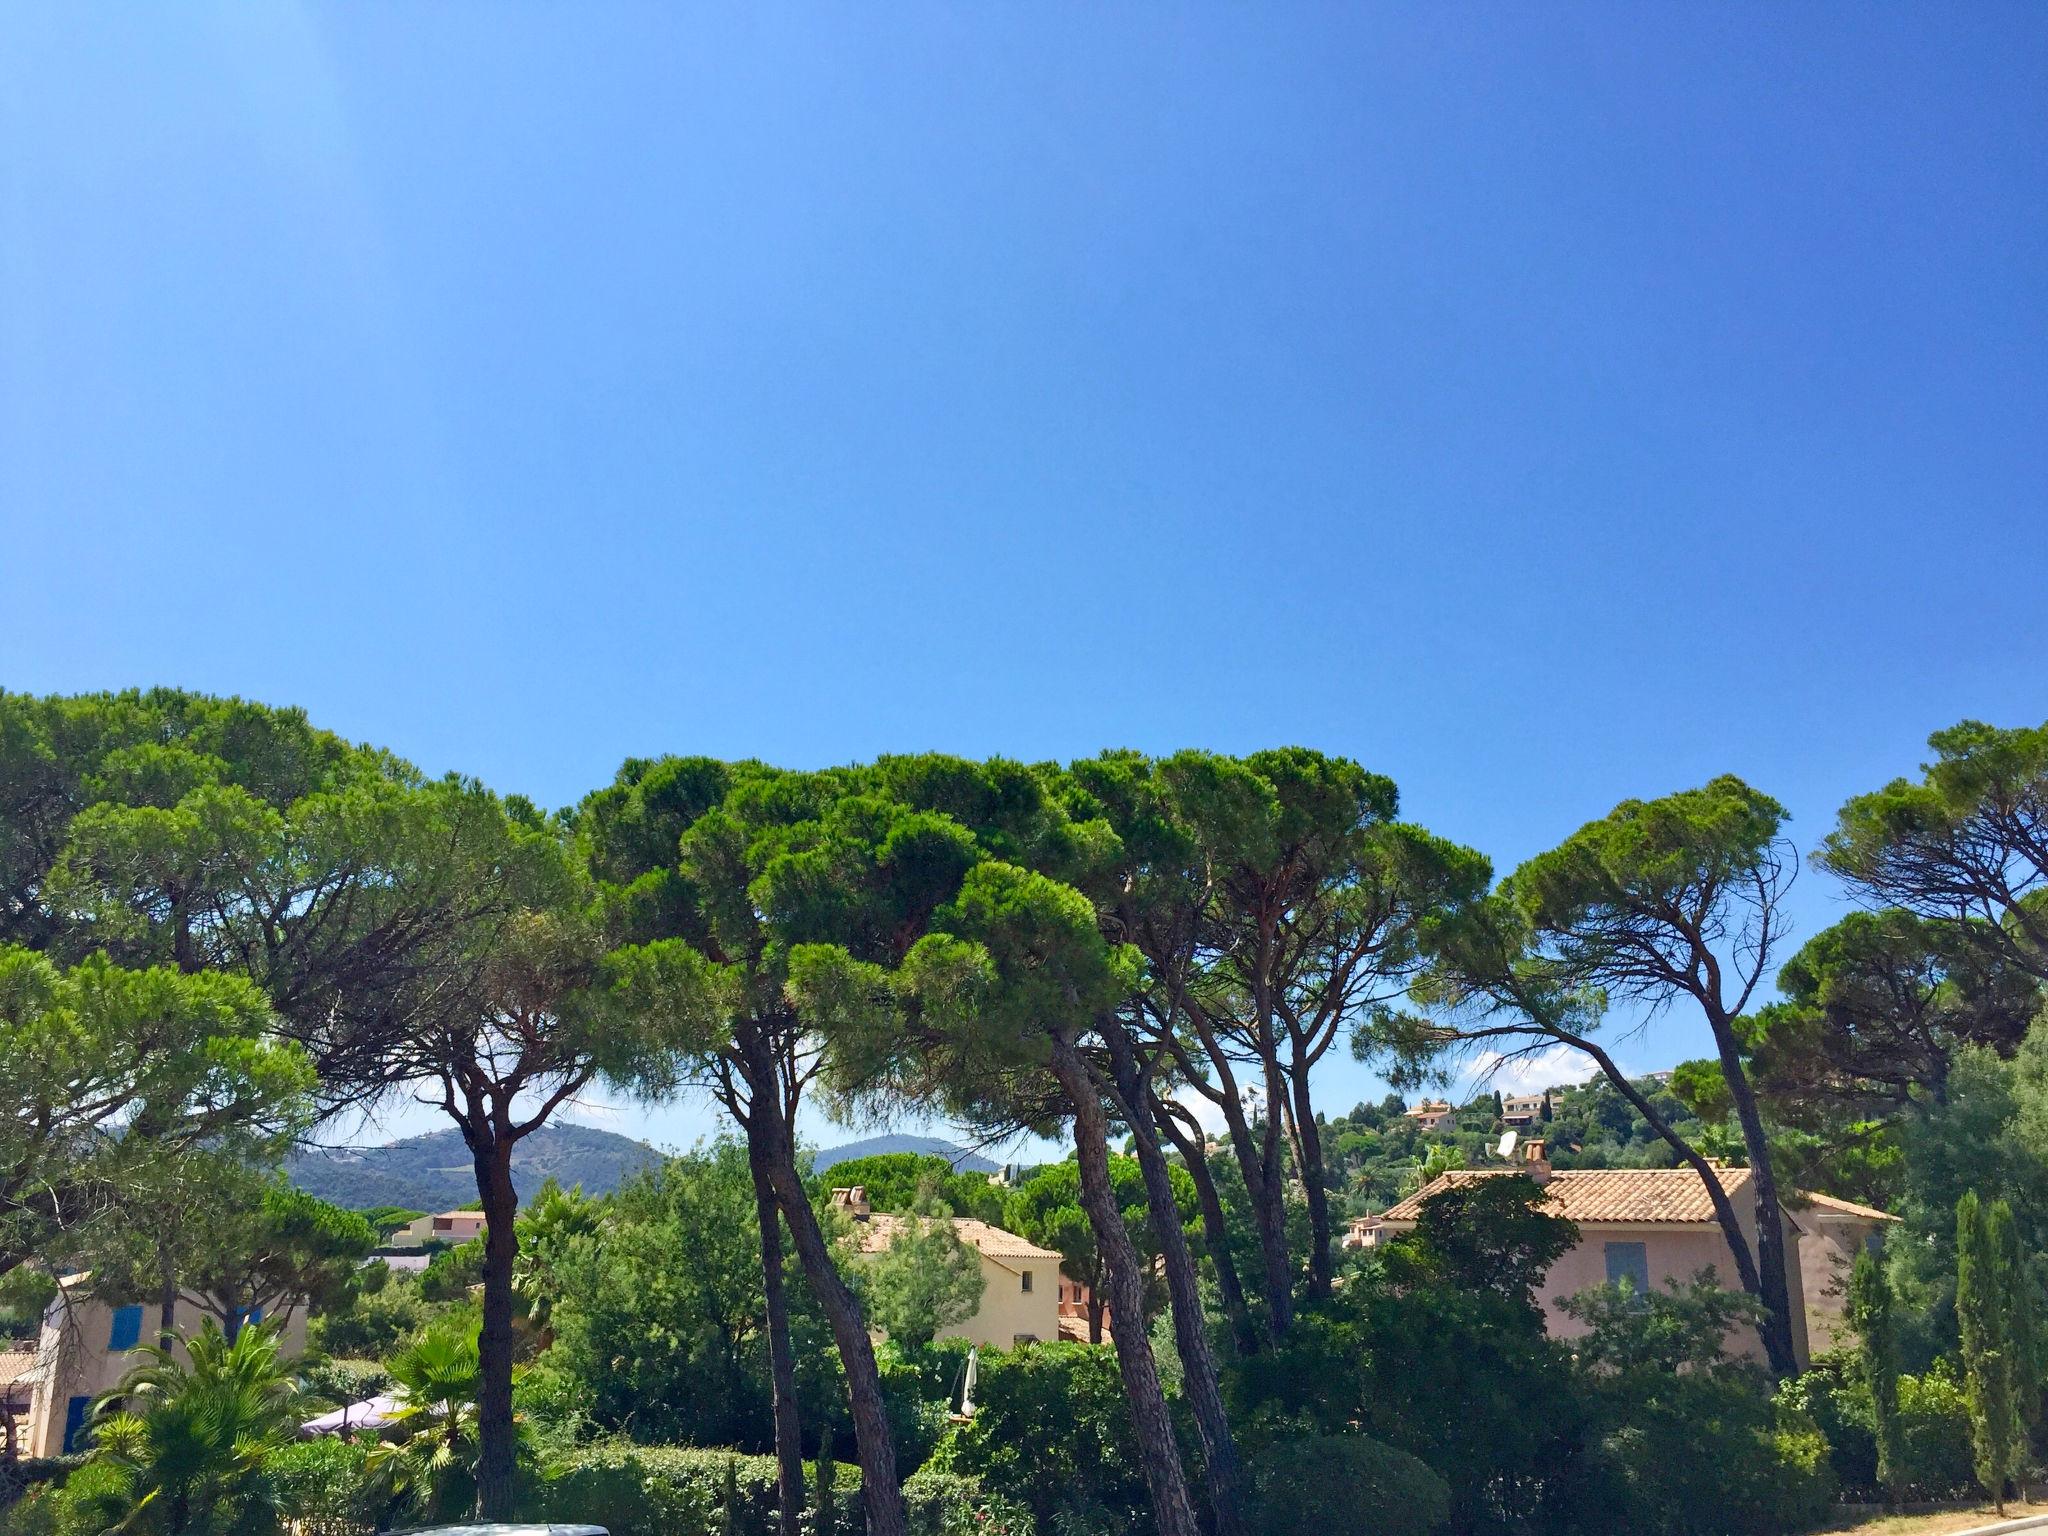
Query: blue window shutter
{"points": [[1631, 1262], [127, 1330], [74, 1422]]}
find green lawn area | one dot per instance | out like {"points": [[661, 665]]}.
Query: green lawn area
{"points": [[1939, 1523]]}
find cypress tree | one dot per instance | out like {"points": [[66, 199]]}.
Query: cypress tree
{"points": [[1870, 1309], [729, 1523], [827, 1475], [1985, 1290], [2025, 1326]]}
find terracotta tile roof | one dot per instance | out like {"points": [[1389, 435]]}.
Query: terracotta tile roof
{"points": [[1603, 1194], [15, 1365], [1828, 1203], [880, 1230]]}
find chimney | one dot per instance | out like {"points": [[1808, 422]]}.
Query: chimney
{"points": [[853, 1201], [1534, 1163]]}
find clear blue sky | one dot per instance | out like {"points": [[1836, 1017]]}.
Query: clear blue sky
{"points": [[1541, 404]]}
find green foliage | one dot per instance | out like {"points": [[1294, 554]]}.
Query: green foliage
{"points": [[1431, 1347], [1963, 839], [1683, 1328], [925, 1280], [897, 1181], [1988, 1279], [1871, 1311], [453, 1272], [188, 1446], [322, 1486], [378, 1320], [942, 1503], [665, 1491], [1932, 1458], [659, 1319], [426, 1466], [88, 1502], [1053, 1432], [108, 1076], [1347, 1485]]}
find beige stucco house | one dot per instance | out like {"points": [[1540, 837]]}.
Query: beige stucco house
{"points": [[87, 1345], [1655, 1225], [449, 1227], [1020, 1299], [1430, 1113]]}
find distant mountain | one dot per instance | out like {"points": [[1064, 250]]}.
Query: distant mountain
{"points": [[434, 1173], [875, 1146]]}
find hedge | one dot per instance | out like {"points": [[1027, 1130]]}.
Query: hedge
{"points": [[647, 1490]]}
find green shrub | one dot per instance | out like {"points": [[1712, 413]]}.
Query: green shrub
{"points": [[1709, 1457], [1834, 1395], [1935, 1452], [320, 1486], [665, 1490], [1347, 1485], [85, 1503], [1052, 1431], [331, 1383], [947, 1504]]}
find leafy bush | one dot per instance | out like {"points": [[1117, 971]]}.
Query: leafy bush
{"points": [[326, 1383], [1347, 1485], [1935, 1456], [667, 1490], [92, 1498], [1935, 1452], [321, 1487], [947, 1504], [1052, 1432]]}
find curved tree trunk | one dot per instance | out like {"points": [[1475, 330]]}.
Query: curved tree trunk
{"points": [[1190, 1326], [496, 1468], [1124, 1278], [1187, 1140], [1770, 1212], [881, 1492], [1308, 1141], [789, 1452]]}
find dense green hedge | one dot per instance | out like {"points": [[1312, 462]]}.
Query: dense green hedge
{"points": [[1347, 1485], [639, 1490]]}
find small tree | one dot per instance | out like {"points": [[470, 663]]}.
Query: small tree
{"points": [[1985, 1287], [828, 1475], [925, 1280], [1870, 1309]]}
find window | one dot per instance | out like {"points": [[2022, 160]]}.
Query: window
{"points": [[1022, 1338], [74, 1422], [127, 1330], [1027, 1279], [1630, 1262], [247, 1315], [1874, 1243]]}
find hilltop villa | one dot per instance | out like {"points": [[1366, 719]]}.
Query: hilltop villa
{"points": [[1023, 1291], [1653, 1225]]}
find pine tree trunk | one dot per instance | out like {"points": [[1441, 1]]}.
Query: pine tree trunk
{"points": [[497, 1449], [1124, 1278], [1190, 1326], [1309, 1141], [789, 1455], [1770, 1214], [881, 1492], [1215, 1229]]}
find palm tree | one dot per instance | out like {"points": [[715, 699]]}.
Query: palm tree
{"points": [[189, 1436], [429, 1467]]}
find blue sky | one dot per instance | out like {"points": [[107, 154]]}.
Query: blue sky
{"points": [[1543, 405]]}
